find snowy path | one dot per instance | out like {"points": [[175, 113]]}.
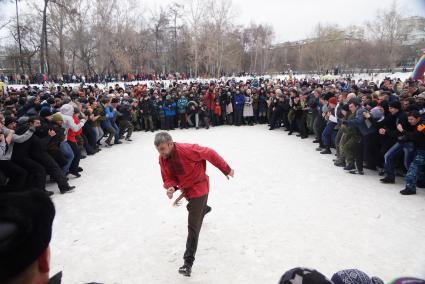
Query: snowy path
{"points": [[288, 206]]}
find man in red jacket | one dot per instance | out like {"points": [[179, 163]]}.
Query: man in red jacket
{"points": [[183, 167]]}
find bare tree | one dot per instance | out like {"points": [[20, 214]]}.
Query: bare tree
{"points": [[194, 16]]}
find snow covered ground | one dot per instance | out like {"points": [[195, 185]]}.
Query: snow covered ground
{"points": [[287, 206]]}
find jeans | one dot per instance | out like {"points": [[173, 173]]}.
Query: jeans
{"points": [[117, 132], [329, 135], [415, 172], [69, 156], [109, 129], [408, 150]]}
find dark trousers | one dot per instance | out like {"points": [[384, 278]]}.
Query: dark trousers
{"points": [[238, 116], [196, 208], [169, 122], [36, 172], [371, 152], [77, 157], [90, 139], [127, 128], [275, 119], [183, 120], [16, 174], [52, 168], [108, 129]]}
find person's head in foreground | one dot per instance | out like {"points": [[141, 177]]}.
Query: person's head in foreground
{"points": [[164, 144], [301, 275], [25, 232]]}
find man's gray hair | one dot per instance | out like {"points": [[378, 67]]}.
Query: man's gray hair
{"points": [[162, 137]]}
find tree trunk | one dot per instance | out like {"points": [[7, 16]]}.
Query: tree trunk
{"points": [[21, 59], [61, 47], [43, 43]]}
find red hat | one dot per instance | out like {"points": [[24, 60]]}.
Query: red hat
{"points": [[333, 101]]}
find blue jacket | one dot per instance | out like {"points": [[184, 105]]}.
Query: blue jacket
{"points": [[169, 108], [181, 105], [239, 101], [359, 122], [109, 112]]}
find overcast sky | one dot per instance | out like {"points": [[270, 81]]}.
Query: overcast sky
{"points": [[295, 19]]}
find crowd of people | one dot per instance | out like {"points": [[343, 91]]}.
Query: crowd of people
{"points": [[47, 131], [40, 78]]}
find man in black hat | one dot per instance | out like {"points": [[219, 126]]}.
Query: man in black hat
{"points": [[25, 231], [43, 134], [399, 119]]}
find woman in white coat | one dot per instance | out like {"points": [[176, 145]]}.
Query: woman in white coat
{"points": [[248, 111]]}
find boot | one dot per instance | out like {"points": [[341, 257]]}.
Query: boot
{"points": [[66, 189], [387, 180], [349, 167], [340, 164], [326, 151], [407, 191], [357, 172], [76, 174], [185, 270]]}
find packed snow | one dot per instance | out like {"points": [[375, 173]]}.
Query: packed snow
{"points": [[287, 206]]}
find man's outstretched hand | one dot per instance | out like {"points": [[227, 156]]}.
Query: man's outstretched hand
{"points": [[231, 174], [170, 192]]}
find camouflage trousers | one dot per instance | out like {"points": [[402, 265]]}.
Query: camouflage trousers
{"points": [[415, 171]]}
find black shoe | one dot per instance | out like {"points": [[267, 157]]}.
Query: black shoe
{"points": [[76, 174], [387, 180], [316, 141], [80, 169], [67, 189], [298, 135], [118, 142], [407, 192], [129, 139], [207, 210], [319, 149], [290, 133], [271, 128], [326, 151], [48, 192], [304, 137], [349, 167], [340, 164], [355, 172], [185, 270]]}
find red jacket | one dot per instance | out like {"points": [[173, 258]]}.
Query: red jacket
{"points": [[209, 99], [186, 168], [72, 134]]}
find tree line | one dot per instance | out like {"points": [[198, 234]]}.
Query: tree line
{"points": [[198, 37]]}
